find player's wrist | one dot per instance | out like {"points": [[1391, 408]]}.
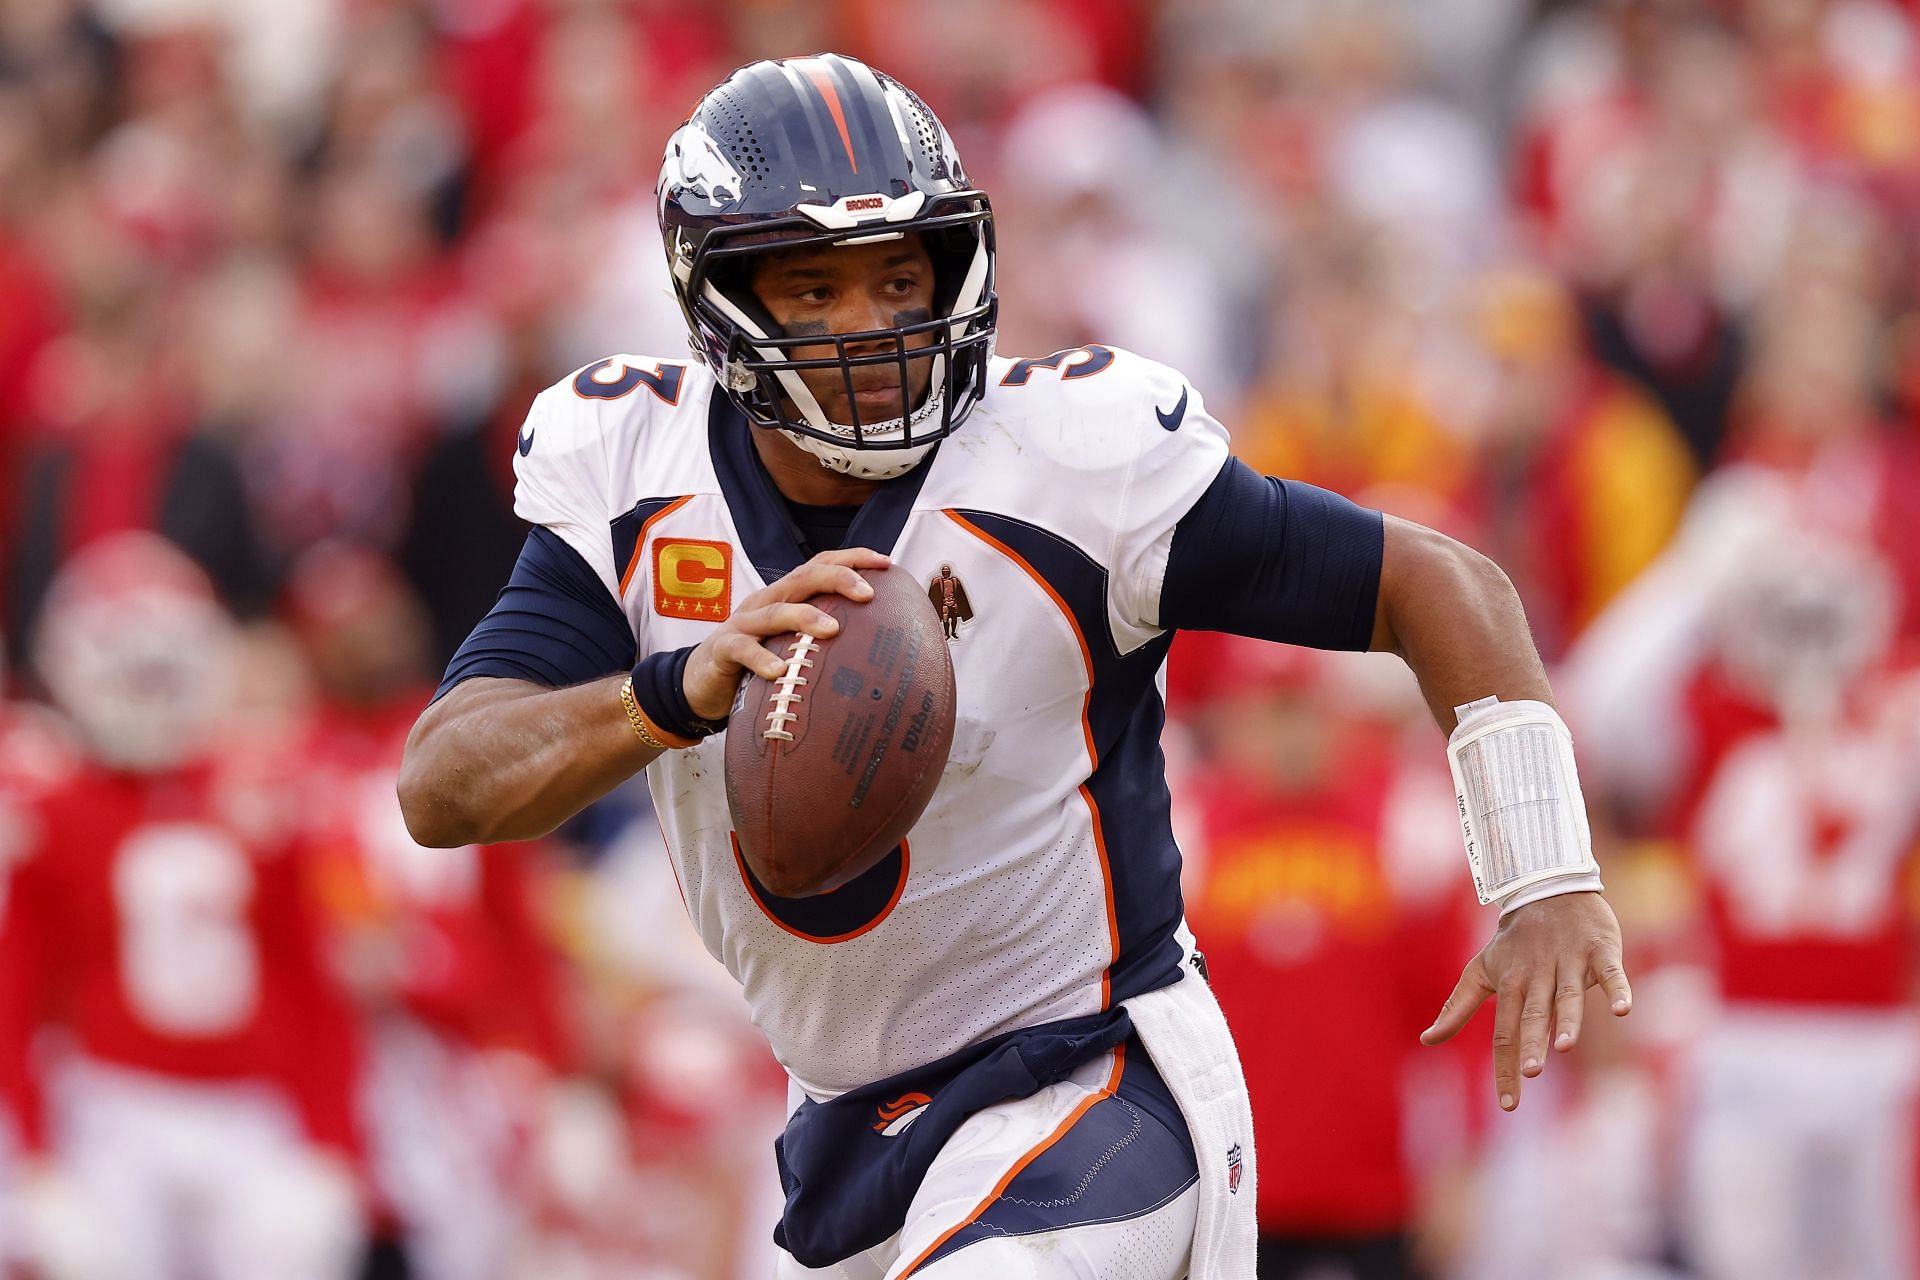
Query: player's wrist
{"points": [[1522, 814], [1579, 882], [659, 694]]}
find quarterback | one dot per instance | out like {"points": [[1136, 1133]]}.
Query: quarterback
{"points": [[1004, 1056]]}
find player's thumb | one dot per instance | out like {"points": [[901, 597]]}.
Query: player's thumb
{"points": [[1466, 998]]}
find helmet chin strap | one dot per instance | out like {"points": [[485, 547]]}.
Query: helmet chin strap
{"points": [[863, 464], [870, 463]]}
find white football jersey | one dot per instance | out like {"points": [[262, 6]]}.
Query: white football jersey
{"points": [[1043, 880]]}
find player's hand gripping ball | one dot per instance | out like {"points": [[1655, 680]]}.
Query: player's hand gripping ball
{"points": [[831, 764]]}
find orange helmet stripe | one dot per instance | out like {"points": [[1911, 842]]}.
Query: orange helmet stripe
{"points": [[814, 70]]}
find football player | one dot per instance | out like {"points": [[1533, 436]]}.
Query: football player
{"points": [[458, 992], [1004, 1060], [200, 1118], [1322, 889], [1788, 777]]}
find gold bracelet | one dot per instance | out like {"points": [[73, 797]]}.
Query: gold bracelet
{"points": [[644, 727]]}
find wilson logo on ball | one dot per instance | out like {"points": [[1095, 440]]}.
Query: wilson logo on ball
{"points": [[692, 578]]}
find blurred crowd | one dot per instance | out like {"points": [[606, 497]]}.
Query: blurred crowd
{"points": [[1624, 293]]}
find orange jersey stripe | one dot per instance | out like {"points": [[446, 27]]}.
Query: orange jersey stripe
{"points": [[1086, 730], [1086, 653], [1113, 916], [639, 546], [999, 1189]]}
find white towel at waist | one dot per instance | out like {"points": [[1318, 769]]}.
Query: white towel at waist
{"points": [[1185, 1031]]}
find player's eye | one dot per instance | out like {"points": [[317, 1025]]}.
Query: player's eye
{"points": [[902, 285], [816, 295]]}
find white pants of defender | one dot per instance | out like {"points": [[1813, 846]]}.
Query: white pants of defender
{"points": [[1800, 1161], [161, 1179], [1153, 1246], [438, 1144]]}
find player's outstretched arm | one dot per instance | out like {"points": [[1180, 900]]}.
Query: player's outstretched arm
{"points": [[1452, 614], [499, 759]]}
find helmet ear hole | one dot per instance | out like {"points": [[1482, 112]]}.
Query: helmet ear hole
{"points": [[734, 278], [952, 250]]}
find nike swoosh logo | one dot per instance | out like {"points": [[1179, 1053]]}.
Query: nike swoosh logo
{"points": [[1170, 419], [526, 441]]}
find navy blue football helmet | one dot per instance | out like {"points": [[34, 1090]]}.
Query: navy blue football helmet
{"points": [[806, 152]]}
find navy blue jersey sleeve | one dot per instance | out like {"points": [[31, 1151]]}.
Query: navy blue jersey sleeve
{"points": [[554, 624], [1274, 559]]}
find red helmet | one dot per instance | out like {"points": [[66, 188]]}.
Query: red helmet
{"points": [[136, 648]]}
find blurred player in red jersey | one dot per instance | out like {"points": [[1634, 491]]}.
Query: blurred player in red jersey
{"points": [[37, 753], [195, 1118], [1320, 896], [640, 1165], [458, 988], [1802, 817], [1787, 768], [1744, 698]]}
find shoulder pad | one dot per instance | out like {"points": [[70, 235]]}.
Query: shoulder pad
{"points": [[566, 451], [1096, 407], [604, 399]]}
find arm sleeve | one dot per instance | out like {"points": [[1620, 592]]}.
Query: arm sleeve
{"points": [[554, 624], [1276, 560]]}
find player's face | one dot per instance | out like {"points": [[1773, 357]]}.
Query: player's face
{"points": [[852, 289]]}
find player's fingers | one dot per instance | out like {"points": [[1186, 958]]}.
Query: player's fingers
{"points": [[1608, 971], [1536, 1010], [737, 651], [815, 578], [854, 558], [1468, 995], [1569, 1003], [783, 616], [1506, 1044]]}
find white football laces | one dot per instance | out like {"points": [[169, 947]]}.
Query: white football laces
{"points": [[786, 690]]}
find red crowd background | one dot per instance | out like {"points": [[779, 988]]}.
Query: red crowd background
{"points": [[1622, 293]]}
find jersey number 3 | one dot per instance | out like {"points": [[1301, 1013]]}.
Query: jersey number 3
{"points": [[609, 380], [1074, 362]]}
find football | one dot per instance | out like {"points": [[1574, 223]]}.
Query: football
{"points": [[830, 765]]}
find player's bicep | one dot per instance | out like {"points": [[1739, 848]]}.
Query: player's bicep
{"points": [[1277, 560], [553, 625]]}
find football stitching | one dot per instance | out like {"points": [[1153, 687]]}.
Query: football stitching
{"points": [[787, 690]]}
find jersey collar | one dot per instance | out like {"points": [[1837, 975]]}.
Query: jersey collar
{"points": [[767, 532]]}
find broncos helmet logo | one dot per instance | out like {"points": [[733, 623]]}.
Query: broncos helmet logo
{"points": [[695, 162]]}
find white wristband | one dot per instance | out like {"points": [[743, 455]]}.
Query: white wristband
{"points": [[1522, 815], [1579, 882]]}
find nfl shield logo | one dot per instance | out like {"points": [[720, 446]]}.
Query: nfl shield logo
{"points": [[1233, 1170]]}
